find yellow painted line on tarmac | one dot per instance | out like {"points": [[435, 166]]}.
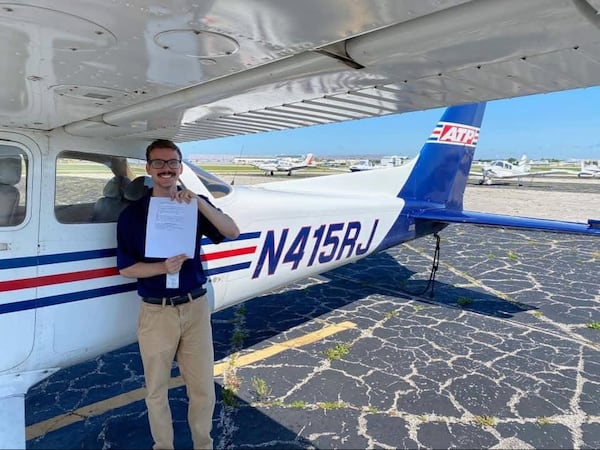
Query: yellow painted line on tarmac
{"points": [[95, 409]]}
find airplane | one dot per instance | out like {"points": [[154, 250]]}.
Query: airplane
{"points": [[364, 164], [87, 85], [285, 165], [589, 169], [504, 170], [367, 164], [66, 302]]}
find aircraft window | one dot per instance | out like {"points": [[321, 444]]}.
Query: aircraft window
{"points": [[216, 186], [13, 185], [91, 187]]}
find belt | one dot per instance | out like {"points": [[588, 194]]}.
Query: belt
{"points": [[177, 300]]}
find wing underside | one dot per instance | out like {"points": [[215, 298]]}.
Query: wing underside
{"points": [[199, 70]]}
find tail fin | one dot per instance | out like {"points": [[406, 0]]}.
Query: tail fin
{"points": [[442, 167]]}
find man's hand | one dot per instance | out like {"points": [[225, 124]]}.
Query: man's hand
{"points": [[174, 263], [185, 195]]}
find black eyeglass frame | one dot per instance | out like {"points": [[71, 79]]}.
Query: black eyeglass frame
{"points": [[160, 163]]}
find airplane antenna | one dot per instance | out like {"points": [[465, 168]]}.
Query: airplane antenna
{"points": [[235, 172]]}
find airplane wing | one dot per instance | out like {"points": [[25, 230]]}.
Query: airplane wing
{"points": [[540, 173], [194, 70], [504, 221]]}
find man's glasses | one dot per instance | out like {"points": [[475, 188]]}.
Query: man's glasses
{"points": [[160, 163]]}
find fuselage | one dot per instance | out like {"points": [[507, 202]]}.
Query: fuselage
{"points": [[63, 300]]}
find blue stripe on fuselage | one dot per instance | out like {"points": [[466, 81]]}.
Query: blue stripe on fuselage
{"points": [[66, 298]]}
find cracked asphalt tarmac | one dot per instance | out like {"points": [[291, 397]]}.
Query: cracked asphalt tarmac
{"points": [[505, 355]]}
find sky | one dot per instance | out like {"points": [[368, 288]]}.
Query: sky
{"points": [[562, 125]]}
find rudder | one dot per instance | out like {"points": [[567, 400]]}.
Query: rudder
{"points": [[442, 169]]}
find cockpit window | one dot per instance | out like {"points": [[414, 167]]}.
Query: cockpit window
{"points": [[13, 185], [93, 188]]}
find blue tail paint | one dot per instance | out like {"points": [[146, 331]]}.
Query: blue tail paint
{"points": [[442, 168], [435, 187]]}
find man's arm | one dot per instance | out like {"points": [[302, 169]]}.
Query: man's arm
{"points": [[145, 270], [221, 221]]}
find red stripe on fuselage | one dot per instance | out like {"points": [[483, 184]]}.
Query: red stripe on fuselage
{"points": [[48, 280], [228, 253]]}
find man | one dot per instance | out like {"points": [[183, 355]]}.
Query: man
{"points": [[174, 318]]}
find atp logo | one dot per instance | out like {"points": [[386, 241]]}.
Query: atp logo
{"points": [[456, 134]]}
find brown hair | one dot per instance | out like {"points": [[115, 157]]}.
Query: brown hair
{"points": [[162, 143]]}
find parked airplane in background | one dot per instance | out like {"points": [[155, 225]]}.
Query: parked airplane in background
{"points": [[589, 169], [386, 162], [285, 165], [504, 170], [364, 164], [86, 86]]}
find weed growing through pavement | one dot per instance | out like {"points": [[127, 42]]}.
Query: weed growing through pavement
{"points": [[229, 397], [231, 382], [464, 301], [337, 352], [261, 389], [298, 404], [331, 405], [543, 421], [391, 314], [593, 325], [485, 421]]}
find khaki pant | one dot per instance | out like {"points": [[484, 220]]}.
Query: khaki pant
{"points": [[183, 331]]}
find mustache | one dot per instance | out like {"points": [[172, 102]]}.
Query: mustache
{"points": [[167, 172]]}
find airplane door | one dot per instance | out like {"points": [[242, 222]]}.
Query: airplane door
{"points": [[19, 226]]}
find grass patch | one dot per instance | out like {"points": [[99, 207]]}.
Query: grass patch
{"points": [[229, 398], [337, 352], [237, 339], [231, 381], [261, 389], [538, 313], [593, 325], [331, 405], [512, 255], [298, 404], [485, 421], [543, 421], [464, 301]]}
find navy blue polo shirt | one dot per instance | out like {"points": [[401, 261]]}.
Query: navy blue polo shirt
{"points": [[131, 242]]}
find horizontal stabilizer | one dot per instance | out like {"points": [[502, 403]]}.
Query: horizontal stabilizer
{"points": [[505, 221]]}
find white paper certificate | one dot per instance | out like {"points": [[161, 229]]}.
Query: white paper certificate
{"points": [[171, 228]]}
